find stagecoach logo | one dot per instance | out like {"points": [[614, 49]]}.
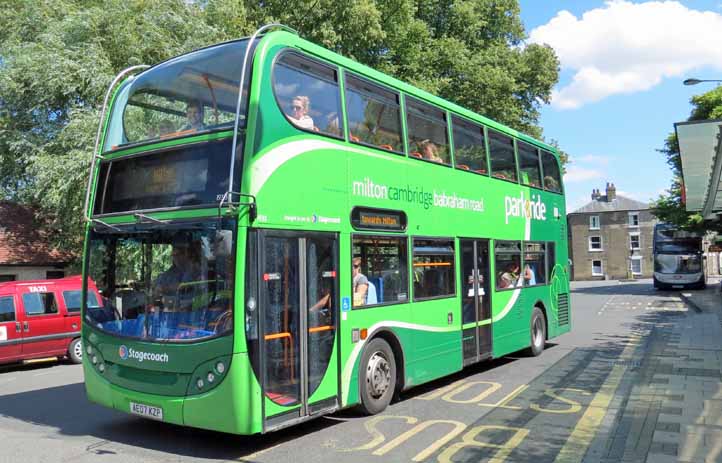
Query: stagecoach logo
{"points": [[125, 353]]}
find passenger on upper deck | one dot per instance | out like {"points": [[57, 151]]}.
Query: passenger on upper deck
{"points": [[429, 151], [299, 113], [194, 114]]}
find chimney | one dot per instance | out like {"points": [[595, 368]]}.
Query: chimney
{"points": [[611, 192], [595, 194]]}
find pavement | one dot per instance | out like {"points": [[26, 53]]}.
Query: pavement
{"points": [[668, 405]]}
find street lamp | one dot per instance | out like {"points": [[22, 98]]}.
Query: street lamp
{"points": [[697, 81]]}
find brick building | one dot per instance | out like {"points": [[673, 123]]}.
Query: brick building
{"points": [[611, 237], [24, 251]]}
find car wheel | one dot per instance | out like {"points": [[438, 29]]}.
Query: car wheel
{"points": [[538, 332], [377, 376], [75, 351]]}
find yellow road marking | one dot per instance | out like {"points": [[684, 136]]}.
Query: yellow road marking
{"points": [[585, 430]]}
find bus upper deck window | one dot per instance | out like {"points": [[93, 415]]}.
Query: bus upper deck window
{"points": [[374, 114], [308, 94], [501, 154], [552, 179], [427, 133]]}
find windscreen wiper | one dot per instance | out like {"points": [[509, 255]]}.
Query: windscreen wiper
{"points": [[140, 217], [106, 225]]}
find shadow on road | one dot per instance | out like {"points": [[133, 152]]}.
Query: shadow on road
{"points": [[67, 409], [644, 288]]}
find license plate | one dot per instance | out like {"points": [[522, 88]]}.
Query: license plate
{"points": [[677, 286], [148, 411]]}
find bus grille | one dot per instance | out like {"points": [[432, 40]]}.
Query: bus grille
{"points": [[563, 309]]}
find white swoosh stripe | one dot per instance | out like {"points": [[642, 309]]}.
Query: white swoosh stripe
{"points": [[276, 157]]}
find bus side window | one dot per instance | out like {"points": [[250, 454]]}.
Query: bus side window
{"points": [[552, 179], [308, 94], [529, 165], [382, 267], [501, 153], [374, 114], [427, 133], [469, 146]]}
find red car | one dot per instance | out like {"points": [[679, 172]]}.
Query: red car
{"points": [[41, 318]]}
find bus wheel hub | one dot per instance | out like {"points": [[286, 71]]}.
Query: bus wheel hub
{"points": [[378, 375]]}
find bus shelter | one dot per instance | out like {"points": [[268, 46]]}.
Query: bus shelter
{"points": [[700, 149]]}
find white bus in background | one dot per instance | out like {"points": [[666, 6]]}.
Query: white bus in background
{"points": [[678, 260]]}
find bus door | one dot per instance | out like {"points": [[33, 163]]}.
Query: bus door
{"points": [[299, 312], [475, 300]]}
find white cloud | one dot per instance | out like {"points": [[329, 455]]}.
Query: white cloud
{"points": [[581, 174], [591, 159], [627, 47]]}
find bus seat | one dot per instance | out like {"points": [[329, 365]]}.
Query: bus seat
{"points": [[371, 295], [462, 166], [386, 147], [480, 171], [353, 138], [378, 284], [416, 154]]}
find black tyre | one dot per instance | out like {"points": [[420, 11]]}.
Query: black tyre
{"points": [[538, 332], [75, 351], [377, 375]]}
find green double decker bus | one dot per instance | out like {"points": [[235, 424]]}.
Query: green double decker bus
{"points": [[279, 232]]}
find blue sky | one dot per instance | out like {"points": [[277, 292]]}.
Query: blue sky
{"points": [[620, 88]]}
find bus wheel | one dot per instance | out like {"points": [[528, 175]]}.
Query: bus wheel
{"points": [[538, 332], [75, 351], [377, 376]]}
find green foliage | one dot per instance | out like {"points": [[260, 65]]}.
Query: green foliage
{"points": [[58, 57], [669, 207]]}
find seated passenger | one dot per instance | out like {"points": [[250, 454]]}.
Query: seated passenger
{"points": [[510, 277], [194, 114], [299, 113], [360, 284], [429, 151]]}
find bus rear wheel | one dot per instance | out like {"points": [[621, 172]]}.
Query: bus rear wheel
{"points": [[377, 376], [538, 332]]}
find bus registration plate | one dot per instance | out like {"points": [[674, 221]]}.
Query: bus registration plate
{"points": [[146, 410]]}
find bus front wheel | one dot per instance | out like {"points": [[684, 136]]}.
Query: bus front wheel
{"points": [[538, 332], [377, 376]]}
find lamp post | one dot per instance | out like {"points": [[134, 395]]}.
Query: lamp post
{"points": [[699, 81]]}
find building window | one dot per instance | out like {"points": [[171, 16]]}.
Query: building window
{"points": [[597, 270], [634, 219], [634, 240], [594, 222], [54, 274], [433, 268], [635, 264], [4, 278], [595, 243]]}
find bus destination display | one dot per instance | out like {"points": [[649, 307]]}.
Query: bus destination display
{"points": [[378, 219]]}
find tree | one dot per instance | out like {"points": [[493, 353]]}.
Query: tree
{"points": [[57, 58], [669, 207]]}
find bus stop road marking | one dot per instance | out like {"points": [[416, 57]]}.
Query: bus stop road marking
{"points": [[586, 428]]}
